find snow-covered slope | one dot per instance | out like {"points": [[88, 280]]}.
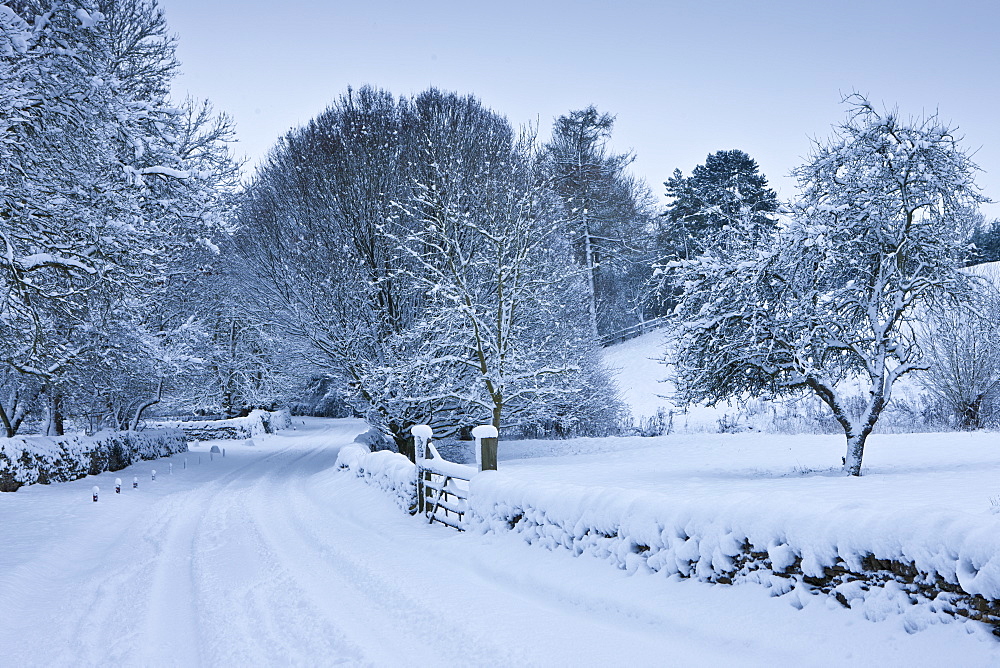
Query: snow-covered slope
{"points": [[643, 384]]}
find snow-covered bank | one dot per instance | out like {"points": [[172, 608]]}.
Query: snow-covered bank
{"points": [[388, 471], [948, 564], [26, 460], [258, 422]]}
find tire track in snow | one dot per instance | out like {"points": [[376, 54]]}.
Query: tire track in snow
{"points": [[124, 590], [146, 613], [266, 617], [418, 624]]}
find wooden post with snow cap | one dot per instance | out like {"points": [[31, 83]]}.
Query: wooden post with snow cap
{"points": [[96, 491], [487, 439], [421, 437]]}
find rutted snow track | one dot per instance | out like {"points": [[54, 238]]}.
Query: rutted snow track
{"points": [[271, 557]]}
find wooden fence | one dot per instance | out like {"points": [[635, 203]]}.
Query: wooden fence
{"points": [[632, 332]]}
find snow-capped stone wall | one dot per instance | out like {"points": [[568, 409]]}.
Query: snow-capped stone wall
{"points": [[951, 564], [26, 460]]}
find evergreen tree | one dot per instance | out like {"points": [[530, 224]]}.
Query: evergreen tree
{"points": [[727, 193], [985, 243]]}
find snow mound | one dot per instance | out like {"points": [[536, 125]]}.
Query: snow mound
{"points": [[950, 562]]}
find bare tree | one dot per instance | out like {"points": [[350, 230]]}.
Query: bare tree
{"points": [[961, 343]]}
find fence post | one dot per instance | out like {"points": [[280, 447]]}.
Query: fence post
{"points": [[421, 435], [487, 440]]}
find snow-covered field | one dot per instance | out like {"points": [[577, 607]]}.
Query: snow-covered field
{"points": [[644, 386], [272, 557]]}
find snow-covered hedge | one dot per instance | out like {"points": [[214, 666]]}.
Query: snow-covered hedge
{"points": [[25, 460], [257, 423], [389, 471], [375, 440], [882, 564]]}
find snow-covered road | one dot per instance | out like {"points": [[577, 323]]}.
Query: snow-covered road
{"points": [[271, 557]]}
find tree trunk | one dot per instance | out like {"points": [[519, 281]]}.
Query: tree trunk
{"points": [[405, 445], [855, 452], [591, 284], [134, 426], [971, 414], [856, 432], [497, 409], [54, 416], [21, 405], [7, 427]]}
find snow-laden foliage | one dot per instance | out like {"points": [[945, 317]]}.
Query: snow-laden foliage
{"points": [[105, 186], [412, 250], [606, 216], [962, 347], [26, 460], [727, 193], [875, 237]]}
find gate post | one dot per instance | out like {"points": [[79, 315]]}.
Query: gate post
{"points": [[421, 435], [487, 439]]}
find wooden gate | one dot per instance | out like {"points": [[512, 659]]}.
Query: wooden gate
{"points": [[443, 489]]}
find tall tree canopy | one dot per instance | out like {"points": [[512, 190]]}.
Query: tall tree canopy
{"points": [[607, 215], [410, 247]]}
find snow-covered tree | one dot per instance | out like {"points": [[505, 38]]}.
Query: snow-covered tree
{"points": [[315, 258], [484, 248], [962, 345], [104, 184], [607, 215], [727, 192], [876, 238], [349, 238], [985, 242]]}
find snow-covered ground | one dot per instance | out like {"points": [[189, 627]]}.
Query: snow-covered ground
{"points": [[644, 386], [272, 557]]}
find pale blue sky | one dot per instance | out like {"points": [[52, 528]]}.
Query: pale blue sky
{"points": [[683, 78]]}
